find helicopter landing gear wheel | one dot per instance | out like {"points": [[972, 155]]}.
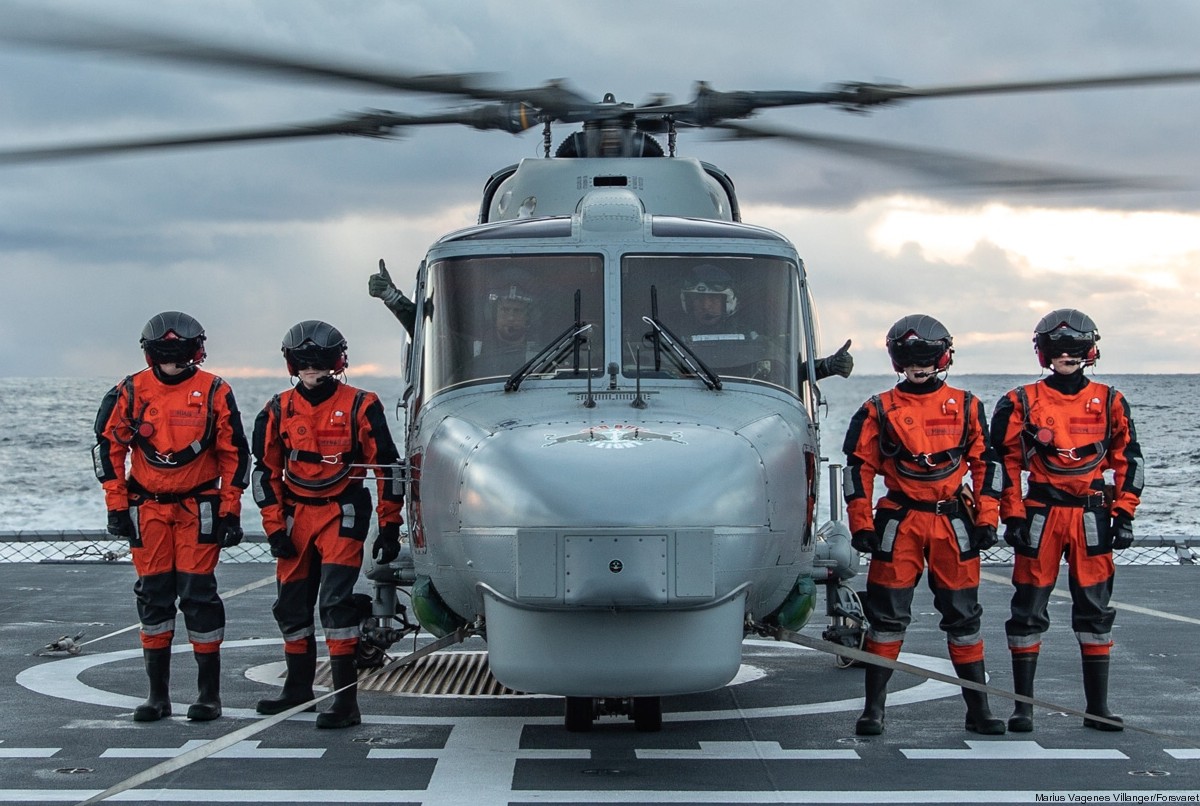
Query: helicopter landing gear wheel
{"points": [[847, 623], [580, 713], [647, 714]]}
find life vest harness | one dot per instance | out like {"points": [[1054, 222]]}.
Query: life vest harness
{"points": [[1048, 494], [142, 431], [931, 466], [1040, 440], [947, 506], [314, 457], [136, 490]]}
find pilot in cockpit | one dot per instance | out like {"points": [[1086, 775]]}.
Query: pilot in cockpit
{"points": [[505, 343], [713, 327]]}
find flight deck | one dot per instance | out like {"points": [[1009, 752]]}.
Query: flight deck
{"points": [[781, 732]]}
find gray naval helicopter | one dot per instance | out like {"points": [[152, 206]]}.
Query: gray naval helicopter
{"points": [[612, 449]]}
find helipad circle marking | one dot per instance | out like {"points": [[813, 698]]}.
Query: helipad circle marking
{"points": [[60, 678]]}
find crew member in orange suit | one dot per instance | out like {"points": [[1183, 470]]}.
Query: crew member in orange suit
{"points": [[922, 437], [1068, 432], [312, 445], [178, 503]]}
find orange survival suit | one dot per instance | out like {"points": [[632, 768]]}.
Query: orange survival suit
{"points": [[310, 447], [1066, 431], [188, 464], [922, 439]]}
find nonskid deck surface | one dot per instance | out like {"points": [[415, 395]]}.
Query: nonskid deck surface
{"points": [[783, 732]]}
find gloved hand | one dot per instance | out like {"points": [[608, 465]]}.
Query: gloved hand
{"points": [[840, 363], [865, 540], [120, 524], [1122, 531], [1016, 532], [281, 545], [381, 285], [387, 545], [983, 536], [229, 531]]}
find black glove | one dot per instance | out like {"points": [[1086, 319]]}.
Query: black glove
{"points": [[1016, 532], [281, 545], [381, 285], [120, 524], [983, 537], [865, 540], [840, 363], [387, 545], [1122, 531], [229, 531]]}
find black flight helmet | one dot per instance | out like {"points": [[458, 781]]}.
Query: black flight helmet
{"points": [[313, 344], [173, 337], [919, 340], [1066, 332]]}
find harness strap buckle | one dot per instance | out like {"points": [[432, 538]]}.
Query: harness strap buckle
{"points": [[331, 459], [166, 458]]}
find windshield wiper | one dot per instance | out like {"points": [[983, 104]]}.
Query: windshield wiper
{"points": [[681, 353], [569, 341]]}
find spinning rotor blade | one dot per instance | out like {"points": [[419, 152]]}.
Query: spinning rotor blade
{"points": [[512, 118], [46, 29], [862, 95], [712, 107], [959, 169]]}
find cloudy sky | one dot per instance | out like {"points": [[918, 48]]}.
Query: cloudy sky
{"points": [[250, 239]]}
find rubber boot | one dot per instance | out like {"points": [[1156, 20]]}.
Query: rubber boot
{"points": [[871, 721], [1095, 689], [344, 712], [979, 715], [298, 684], [158, 668], [1024, 668], [207, 706]]}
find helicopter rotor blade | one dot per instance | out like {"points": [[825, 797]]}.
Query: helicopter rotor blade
{"points": [[962, 170], [380, 124], [38, 28], [862, 95]]}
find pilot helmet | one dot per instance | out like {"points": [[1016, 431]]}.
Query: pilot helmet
{"points": [[708, 279], [173, 337], [313, 344], [919, 340], [1069, 332]]}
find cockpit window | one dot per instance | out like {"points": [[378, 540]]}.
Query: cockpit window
{"points": [[490, 315], [739, 315]]}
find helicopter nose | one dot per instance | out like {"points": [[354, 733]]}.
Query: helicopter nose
{"points": [[669, 475]]}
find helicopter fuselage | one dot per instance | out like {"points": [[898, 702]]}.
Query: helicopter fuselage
{"points": [[615, 486]]}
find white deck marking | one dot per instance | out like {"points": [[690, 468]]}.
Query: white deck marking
{"points": [[748, 750], [247, 750], [1007, 750], [867, 796], [61, 679], [1186, 754], [27, 752]]}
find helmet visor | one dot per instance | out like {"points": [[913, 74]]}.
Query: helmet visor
{"points": [[914, 352], [310, 356], [171, 349], [1066, 341]]}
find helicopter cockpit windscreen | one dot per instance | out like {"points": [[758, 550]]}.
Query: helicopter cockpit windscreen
{"points": [[492, 314], [738, 314]]}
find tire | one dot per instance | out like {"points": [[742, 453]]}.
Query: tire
{"points": [[579, 715], [647, 714]]}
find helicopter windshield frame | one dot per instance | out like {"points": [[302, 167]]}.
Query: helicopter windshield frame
{"points": [[753, 333], [492, 314]]}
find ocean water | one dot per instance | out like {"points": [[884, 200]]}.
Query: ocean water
{"points": [[46, 438]]}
